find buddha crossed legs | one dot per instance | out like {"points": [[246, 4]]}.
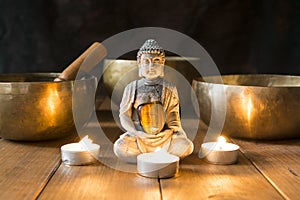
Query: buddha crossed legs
{"points": [[149, 111]]}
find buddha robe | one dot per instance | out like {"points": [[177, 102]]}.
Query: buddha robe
{"points": [[172, 137]]}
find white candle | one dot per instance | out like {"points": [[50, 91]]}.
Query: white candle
{"points": [[159, 164], [219, 152], [83, 153]]}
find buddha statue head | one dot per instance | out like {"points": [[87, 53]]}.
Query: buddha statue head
{"points": [[151, 60]]}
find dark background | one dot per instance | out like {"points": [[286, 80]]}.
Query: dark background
{"points": [[242, 36]]}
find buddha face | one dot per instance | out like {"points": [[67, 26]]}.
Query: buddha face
{"points": [[151, 66]]}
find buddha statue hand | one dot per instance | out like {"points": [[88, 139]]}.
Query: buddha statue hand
{"points": [[142, 135], [158, 139]]}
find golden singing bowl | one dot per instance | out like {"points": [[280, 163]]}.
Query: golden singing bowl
{"points": [[116, 70], [33, 107], [126, 71], [257, 106]]}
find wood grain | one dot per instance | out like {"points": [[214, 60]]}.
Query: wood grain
{"points": [[201, 180], [266, 170], [278, 161], [26, 167], [99, 182]]}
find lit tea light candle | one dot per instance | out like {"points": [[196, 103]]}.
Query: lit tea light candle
{"points": [[159, 164], [219, 152], [82, 153]]}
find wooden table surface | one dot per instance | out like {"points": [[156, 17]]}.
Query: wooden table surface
{"points": [[265, 170]]}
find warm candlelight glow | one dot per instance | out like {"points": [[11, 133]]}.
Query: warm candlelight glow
{"points": [[221, 142], [86, 140], [219, 152], [52, 100], [81, 153], [157, 149], [249, 108], [87, 143], [159, 163]]}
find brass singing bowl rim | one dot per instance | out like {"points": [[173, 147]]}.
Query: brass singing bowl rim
{"points": [[115, 61], [26, 114], [34, 79], [230, 81], [7, 78], [258, 106], [119, 60], [13, 83]]}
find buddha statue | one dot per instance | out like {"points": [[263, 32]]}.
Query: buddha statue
{"points": [[149, 111]]}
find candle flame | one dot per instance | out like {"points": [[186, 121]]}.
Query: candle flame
{"points": [[85, 141], [157, 149], [221, 139], [85, 138], [221, 142], [88, 144]]}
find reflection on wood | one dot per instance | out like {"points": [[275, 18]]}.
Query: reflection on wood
{"points": [[27, 167], [278, 161], [99, 182], [200, 180]]}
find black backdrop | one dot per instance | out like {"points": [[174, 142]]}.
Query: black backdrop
{"points": [[249, 36]]}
